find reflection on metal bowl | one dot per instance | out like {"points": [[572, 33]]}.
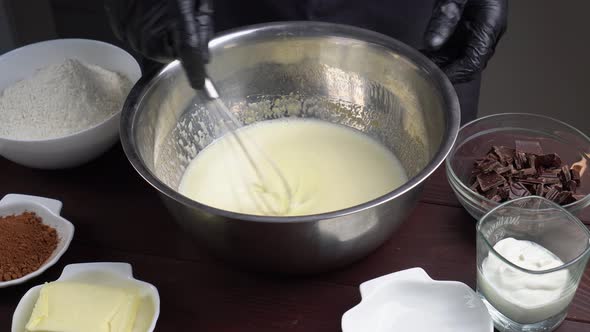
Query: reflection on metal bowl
{"points": [[331, 72]]}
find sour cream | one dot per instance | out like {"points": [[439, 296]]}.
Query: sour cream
{"points": [[523, 297], [326, 167]]}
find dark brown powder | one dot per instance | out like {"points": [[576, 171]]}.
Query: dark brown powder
{"points": [[25, 244]]}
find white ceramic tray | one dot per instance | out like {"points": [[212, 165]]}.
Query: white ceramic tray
{"points": [[410, 301]]}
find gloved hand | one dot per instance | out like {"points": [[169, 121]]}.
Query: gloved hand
{"points": [[164, 30], [462, 35]]}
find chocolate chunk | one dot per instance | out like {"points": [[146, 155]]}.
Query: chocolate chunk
{"points": [[572, 185], [533, 180], [520, 160], [539, 189], [565, 176], [489, 165], [551, 160], [570, 199], [575, 175], [531, 161], [529, 171], [518, 190], [496, 198], [475, 186], [506, 173], [551, 180], [505, 154], [564, 196], [490, 180], [504, 191], [491, 193], [503, 169], [550, 174], [532, 147], [530, 187], [552, 193], [493, 156]]}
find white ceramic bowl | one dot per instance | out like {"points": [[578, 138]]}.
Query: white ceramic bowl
{"points": [[48, 210], [75, 149], [410, 300], [109, 274]]}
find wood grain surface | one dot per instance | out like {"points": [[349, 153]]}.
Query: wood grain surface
{"points": [[119, 217]]}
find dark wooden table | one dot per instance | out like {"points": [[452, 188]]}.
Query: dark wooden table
{"points": [[118, 217]]}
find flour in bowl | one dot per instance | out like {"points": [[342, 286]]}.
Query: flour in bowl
{"points": [[61, 99]]}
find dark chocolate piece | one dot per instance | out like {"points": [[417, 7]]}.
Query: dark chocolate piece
{"points": [[518, 190], [531, 161], [491, 193], [496, 198], [490, 180], [570, 199], [520, 160], [572, 186], [550, 174], [563, 197], [539, 189], [475, 186], [503, 169], [504, 192], [489, 165], [551, 180], [493, 156], [529, 171], [506, 173], [575, 175], [551, 160], [552, 193], [504, 153], [532, 180], [565, 176]]}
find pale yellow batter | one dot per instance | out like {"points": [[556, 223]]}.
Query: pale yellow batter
{"points": [[326, 167]]}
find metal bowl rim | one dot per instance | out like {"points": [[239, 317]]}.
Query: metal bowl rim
{"points": [[437, 77]]}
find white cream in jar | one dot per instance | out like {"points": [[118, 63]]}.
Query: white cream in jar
{"points": [[326, 166], [524, 297]]}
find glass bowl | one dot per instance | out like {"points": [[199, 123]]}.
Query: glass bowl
{"points": [[476, 138]]}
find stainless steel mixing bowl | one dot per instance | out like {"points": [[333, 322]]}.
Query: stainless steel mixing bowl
{"points": [[337, 73]]}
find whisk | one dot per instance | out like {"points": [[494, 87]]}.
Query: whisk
{"points": [[221, 115]]}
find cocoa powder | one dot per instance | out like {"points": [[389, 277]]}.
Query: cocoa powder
{"points": [[25, 244]]}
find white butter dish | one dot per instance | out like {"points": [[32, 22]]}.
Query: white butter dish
{"points": [[105, 274]]}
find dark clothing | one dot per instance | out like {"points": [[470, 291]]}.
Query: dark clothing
{"points": [[405, 20]]}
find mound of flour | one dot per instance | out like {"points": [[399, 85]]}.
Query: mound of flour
{"points": [[61, 99]]}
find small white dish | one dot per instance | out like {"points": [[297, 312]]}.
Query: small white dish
{"points": [[410, 301], [49, 211], [108, 274], [78, 148]]}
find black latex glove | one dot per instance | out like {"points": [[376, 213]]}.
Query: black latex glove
{"points": [[462, 35], [164, 30]]}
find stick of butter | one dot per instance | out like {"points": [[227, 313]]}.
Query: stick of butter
{"points": [[76, 307]]}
